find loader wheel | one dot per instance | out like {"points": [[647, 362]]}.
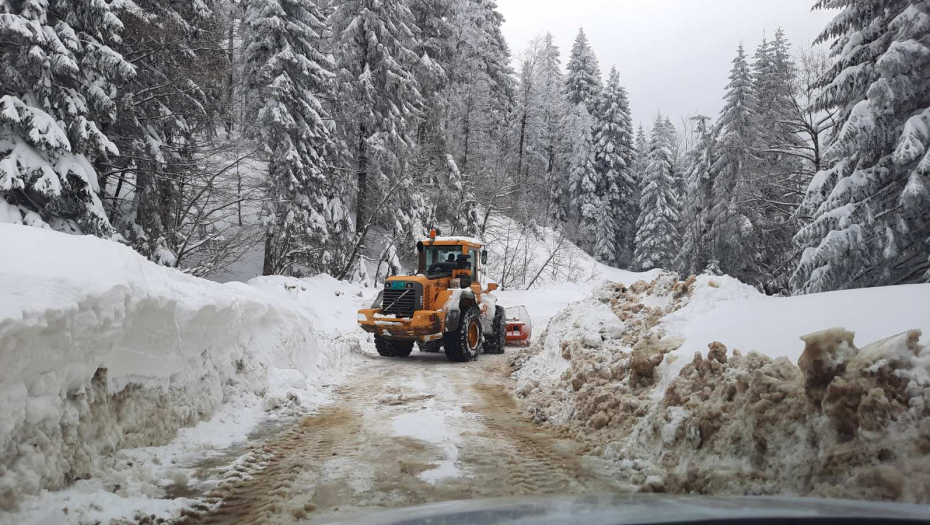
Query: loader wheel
{"points": [[431, 347], [388, 348], [495, 341], [464, 343]]}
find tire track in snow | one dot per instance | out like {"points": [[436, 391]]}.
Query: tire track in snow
{"points": [[350, 457]]}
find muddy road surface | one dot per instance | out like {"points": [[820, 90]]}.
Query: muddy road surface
{"points": [[401, 432]]}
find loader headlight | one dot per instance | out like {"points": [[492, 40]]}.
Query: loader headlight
{"points": [[361, 317]]}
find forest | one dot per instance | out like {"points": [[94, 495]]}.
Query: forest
{"points": [[330, 135]]}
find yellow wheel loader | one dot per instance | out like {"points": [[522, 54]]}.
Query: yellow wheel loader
{"points": [[443, 306]]}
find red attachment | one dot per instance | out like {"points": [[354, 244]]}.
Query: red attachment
{"points": [[519, 326]]}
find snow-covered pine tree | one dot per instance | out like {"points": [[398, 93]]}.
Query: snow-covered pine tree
{"points": [[779, 162], [695, 216], [871, 207], [641, 145], [583, 180], [465, 215], [481, 92], [762, 69], [286, 73], [435, 47], [495, 53], [614, 156], [732, 220], [640, 162], [434, 42], [57, 78], [583, 76], [552, 113], [679, 166], [657, 237], [375, 52]]}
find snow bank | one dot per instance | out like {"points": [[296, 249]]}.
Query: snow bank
{"points": [[773, 325], [657, 390], [101, 350], [333, 304]]}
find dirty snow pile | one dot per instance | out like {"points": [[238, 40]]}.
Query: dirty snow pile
{"points": [[102, 351], [706, 386]]}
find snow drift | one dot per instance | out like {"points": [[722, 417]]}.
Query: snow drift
{"points": [[625, 378], [102, 350]]}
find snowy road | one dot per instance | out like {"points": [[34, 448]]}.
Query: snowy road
{"points": [[402, 432]]}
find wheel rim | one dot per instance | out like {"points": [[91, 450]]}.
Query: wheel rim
{"points": [[472, 335]]}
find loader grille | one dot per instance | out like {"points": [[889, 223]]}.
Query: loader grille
{"points": [[403, 302]]}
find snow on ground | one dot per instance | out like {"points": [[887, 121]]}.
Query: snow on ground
{"points": [[116, 375], [530, 256], [630, 374], [333, 304], [517, 254], [737, 315]]}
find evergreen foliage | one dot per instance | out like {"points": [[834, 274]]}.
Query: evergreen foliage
{"points": [[583, 78], [733, 227], [614, 156], [286, 70], [333, 134], [583, 177], [870, 205], [657, 237], [59, 74]]}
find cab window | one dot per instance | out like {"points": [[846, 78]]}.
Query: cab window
{"points": [[442, 254]]}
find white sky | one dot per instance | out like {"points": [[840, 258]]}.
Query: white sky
{"points": [[673, 56]]}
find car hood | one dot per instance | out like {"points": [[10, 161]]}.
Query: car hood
{"points": [[633, 509]]}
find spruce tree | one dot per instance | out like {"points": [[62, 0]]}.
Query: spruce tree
{"points": [[657, 237], [614, 156], [696, 251], [871, 207], [583, 179], [58, 76], [780, 164], [482, 87], [287, 73], [464, 205], [552, 114], [376, 59], [732, 219], [583, 76]]}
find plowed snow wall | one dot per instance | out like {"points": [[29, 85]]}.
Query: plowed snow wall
{"points": [[100, 349]]}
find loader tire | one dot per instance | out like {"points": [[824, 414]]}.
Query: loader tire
{"points": [[388, 348], [431, 347], [495, 341], [464, 343]]}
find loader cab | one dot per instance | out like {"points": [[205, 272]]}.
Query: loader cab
{"points": [[447, 257]]}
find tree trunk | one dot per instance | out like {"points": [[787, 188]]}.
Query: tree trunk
{"points": [[522, 141], [239, 192], [230, 79], [361, 199], [146, 207], [268, 267], [467, 131]]}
